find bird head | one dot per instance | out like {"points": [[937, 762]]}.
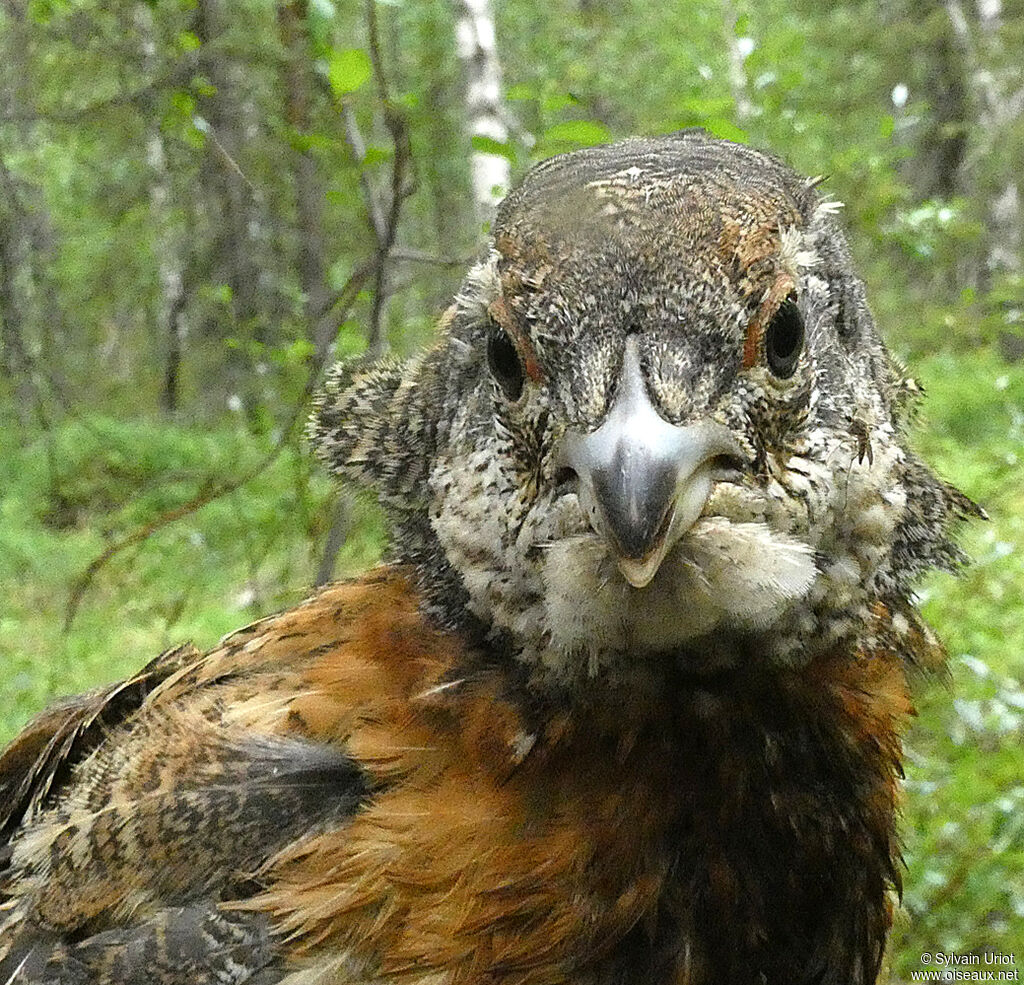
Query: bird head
{"points": [[658, 420]]}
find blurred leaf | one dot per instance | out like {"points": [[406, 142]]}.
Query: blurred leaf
{"points": [[704, 106], [488, 145], [188, 41], [44, 11], [202, 86], [583, 132], [348, 70], [520, 92], [556, 102], [376, 155], [726, 129]]}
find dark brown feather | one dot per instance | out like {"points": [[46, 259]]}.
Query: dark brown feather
{"points": [[66, 732]]}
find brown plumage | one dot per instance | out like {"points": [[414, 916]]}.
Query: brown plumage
{"points": [[554, 741]]}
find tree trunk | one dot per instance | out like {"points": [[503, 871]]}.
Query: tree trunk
{"points": [[999, 107], [15, 252], [477, 50], [309, 193], [937, 169], [1001, 110], [738, 84], [228, 116], [169, 265]]}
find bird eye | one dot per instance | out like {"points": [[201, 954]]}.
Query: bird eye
{"points": [[504, 362], [784, 339]]}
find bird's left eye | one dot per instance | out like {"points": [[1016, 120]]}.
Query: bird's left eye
{"points": [[504, 362], [784, 339]]}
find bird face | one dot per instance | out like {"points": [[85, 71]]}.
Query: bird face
{"points": [[655, 391]]}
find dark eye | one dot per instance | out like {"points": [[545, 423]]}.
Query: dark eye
{"points": [[784, 339], [504, 362]]}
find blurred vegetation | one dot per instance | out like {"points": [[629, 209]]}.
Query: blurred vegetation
{"points": [[195, 205]]}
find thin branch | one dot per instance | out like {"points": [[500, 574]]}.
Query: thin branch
{"points": [[333, 310], [328, 316], [232, 165], [138, 97], [358, 148], [384, 222], [412, 255]]}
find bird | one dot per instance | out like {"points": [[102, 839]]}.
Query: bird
{"points": [[624, 703]]}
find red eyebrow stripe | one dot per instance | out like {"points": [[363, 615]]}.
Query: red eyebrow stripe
{"points": [[498, 310]]}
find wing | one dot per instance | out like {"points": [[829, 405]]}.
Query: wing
{"points": [[65, 733], [133, 812]]}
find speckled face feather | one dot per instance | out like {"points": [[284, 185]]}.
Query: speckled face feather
{"points": [[690, 244]]}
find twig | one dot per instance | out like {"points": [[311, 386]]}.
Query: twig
{"points": [[333, 309], [138, 97], [358, 147], [231, 164], [413, 255]]}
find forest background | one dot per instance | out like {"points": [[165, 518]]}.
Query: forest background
{"points": [[203, 203]]}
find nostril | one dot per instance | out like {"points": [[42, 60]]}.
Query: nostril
{"points": [[566, 479]]}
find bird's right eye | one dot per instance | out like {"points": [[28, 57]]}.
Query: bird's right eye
{"points": [[785, 339], [504, 362]]}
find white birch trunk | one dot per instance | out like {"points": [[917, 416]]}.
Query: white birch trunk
{"points": [[476, 48], [999, 107], [738, 83], [1002, 109]]}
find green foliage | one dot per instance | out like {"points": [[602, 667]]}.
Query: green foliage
{"points": [[348, 70], [963, 832], [240, 556]]}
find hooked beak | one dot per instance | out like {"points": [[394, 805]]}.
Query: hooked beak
{"points": [[642, 481]]}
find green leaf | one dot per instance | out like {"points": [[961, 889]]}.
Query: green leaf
{"points": [[519, 92], [488, 145], [348, 70], [351, 341], [705, 106], [375, 155], [44, 11], [557, 101], [194, 137], [294, 353], [184, 103], [586, 133], [725, 129], [202, 86], [187, 41]]}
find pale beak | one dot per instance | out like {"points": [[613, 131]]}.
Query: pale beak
{"points": [[643, 482]]}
